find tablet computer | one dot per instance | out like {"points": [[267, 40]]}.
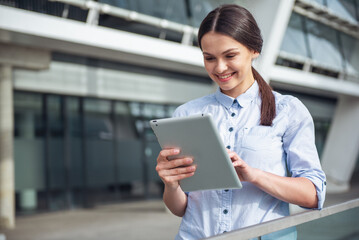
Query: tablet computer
{"points": [[196, 136]]}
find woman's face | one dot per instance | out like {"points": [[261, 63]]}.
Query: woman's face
{"points": [[228, 63]]}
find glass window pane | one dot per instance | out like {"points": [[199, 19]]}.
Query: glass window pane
{"points": [[56, 143], [172, 10], [170, 110], [129, 152], [343, 225], [99, 146], [321, 2], [28, 151], [200, 9], [75, 149], [343, 8], [324, 47], [351, 54], [125, 125], [153, 111], [294, 38], [130, 167]]}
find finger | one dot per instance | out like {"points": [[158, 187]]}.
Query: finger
{"points": [[167, 165], [178, 177], [166, 153], [178, 171], [236, 163], [179, 162], [233, 156], [239, 164]]}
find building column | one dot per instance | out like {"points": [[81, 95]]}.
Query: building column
{"points": [[7, 186], [21, 57], [272, 18], [341, 148]]}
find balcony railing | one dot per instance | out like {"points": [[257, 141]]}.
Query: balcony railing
{"points": [[95, 9], [256, 231]]}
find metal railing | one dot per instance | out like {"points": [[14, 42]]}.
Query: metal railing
{"points": [[261, 229], [326, 16], [96, 8]]}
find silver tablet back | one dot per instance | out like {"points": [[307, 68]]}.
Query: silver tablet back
{"points": [[197, 137]]}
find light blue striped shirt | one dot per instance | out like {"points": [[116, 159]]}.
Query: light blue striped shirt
{"points": [[286, 147]]}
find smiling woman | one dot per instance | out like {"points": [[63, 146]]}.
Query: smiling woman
{"points": [[269, 137]]}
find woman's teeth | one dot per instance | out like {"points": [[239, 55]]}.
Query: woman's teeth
{"points": [[225, 76]]}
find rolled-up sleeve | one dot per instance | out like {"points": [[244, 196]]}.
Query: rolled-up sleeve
{"points": [[299, 145]]}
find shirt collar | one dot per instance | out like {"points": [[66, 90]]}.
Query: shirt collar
{"points": [[244, 99]]}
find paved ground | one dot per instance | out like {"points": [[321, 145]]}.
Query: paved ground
{"points": [[137, 220], [132, 221]]}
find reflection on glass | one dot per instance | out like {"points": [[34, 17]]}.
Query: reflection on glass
{"points": [[129, 155], [324, 46], [321, 2], [74, 143], [71, 151], [172, 10], [99, 149], [28, 151], [343, 225], [54, 128], [294, 38], [56, 142], [351, 54], [343, 8], [199, 10]]}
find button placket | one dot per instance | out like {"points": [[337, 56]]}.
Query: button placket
{"points": [[226, 210]]}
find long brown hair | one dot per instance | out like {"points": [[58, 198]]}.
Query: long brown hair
{"points": [[238, 23]]}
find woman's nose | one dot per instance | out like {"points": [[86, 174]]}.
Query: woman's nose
{"points": [[221, 66]]}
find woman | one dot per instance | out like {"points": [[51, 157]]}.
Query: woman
{"points": [[269, 136]]}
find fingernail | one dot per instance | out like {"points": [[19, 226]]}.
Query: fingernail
{"points": [[192, 168], [176, 151], [188, 160]]}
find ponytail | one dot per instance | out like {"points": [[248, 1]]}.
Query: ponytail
{"points": [[268, 110]]}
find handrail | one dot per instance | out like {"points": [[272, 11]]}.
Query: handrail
{"points": [[285, 222], [326, 16], [95, 8]]}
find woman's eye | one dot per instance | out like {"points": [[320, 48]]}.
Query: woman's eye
{"points": [[209, 58], [230, 56]]}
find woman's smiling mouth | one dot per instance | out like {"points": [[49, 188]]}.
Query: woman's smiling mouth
{"points": [[225, 77]]}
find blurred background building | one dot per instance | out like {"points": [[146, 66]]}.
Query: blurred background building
{"points": [[83, 78]]}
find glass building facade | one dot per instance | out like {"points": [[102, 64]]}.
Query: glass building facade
{"points": [[327, 50], [77, 151]]}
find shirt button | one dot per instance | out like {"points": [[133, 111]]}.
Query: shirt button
{"points": [[225, 211], [229, 147], [226, 190], [230, 129], [224, 231], [233, 114]]}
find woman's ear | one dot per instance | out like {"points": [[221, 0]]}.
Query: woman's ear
{"points": [[255, 54]]}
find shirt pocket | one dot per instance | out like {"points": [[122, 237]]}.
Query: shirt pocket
{"points": [[258, 138]]}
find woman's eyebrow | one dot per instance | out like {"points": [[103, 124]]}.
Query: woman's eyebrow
{"points": [[227, 51]]}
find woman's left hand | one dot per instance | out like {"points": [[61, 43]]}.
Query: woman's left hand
{"points": [[244, 171]]}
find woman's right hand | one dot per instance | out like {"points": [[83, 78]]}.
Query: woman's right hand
{"points": [[172, 171]]}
